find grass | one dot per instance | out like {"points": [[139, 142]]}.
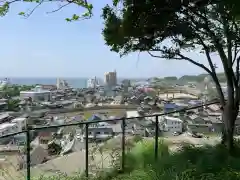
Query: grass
{"points": [[188, 163]]}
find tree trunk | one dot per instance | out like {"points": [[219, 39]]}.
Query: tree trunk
{"points": [[229, 116]]}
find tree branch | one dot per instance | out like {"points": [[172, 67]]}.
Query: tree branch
{"points": [[229, 73], [236, 51], [32, 11], [213, 75], [59, 8], [182, 57]]}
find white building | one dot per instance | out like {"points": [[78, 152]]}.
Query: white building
{"points": [[92, 83], [21, 123], [8, 128], [130, 114], [173, 124], [62, 84], [37, 94]]}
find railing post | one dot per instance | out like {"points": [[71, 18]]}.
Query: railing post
{"points": [[123, 143], [156, 137], [86, 150], [28, 153]]}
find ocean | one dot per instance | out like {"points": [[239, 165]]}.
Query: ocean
{"points": [[73, 82]]}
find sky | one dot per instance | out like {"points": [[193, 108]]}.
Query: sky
{"points": [[45, 45]]}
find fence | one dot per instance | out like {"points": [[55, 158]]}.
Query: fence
{"points": [[87, 124]]}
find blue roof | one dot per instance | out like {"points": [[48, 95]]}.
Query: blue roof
{"points": [[170, 106], [94, 118]]}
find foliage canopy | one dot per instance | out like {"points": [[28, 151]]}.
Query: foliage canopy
{"points": [[172, 28], [169, 29]]}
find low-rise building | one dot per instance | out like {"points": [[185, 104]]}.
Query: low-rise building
{"points": [[37, 94], [173, 124], [4, 117], [8, 128], [21, 123], [199, 128], [100, 132]]}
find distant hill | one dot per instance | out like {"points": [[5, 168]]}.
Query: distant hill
{"points": [[190, 78]]}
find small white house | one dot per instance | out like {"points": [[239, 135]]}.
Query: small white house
{"points": [[8, 128], [21, 123], [173, 124]]}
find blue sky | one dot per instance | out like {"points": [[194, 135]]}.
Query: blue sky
{"points": [[45, 45]]}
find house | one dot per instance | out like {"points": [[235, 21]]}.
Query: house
{"points": [[169, 106], [4, 117], [173, 124], [8, 128], [99, 133], [43, 139], [21, 123], [214, 108], [217, 124], [195, 119], [199, 128], [49, 87]]}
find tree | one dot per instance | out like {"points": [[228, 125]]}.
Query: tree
{"points": [[171, 78], [5, 6], [13, 105], [169, 30]]}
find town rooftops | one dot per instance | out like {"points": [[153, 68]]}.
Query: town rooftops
{"points": [[94, 118], [35, 92], [4, 115], [5, 125], [19, 119], [172, 118]]}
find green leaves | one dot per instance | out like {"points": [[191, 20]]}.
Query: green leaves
{"points": [[21, 14], [73, 18], [4, 7]]}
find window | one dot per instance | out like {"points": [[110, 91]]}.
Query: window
{"points": [[98, 132], [43, 141], [89, 133], [105, 133]]}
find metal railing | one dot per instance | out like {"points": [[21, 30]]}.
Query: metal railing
{"points": [[87, 123]]}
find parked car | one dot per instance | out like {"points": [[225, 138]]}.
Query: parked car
{"points": [[176, 133], [197, 135]]}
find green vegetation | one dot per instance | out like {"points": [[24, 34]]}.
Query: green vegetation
{"points": [[191, 78], [167, 30], [13, 105], [5, 6], [14, 90], [170, 78], [189, 163], [200, 78]]}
